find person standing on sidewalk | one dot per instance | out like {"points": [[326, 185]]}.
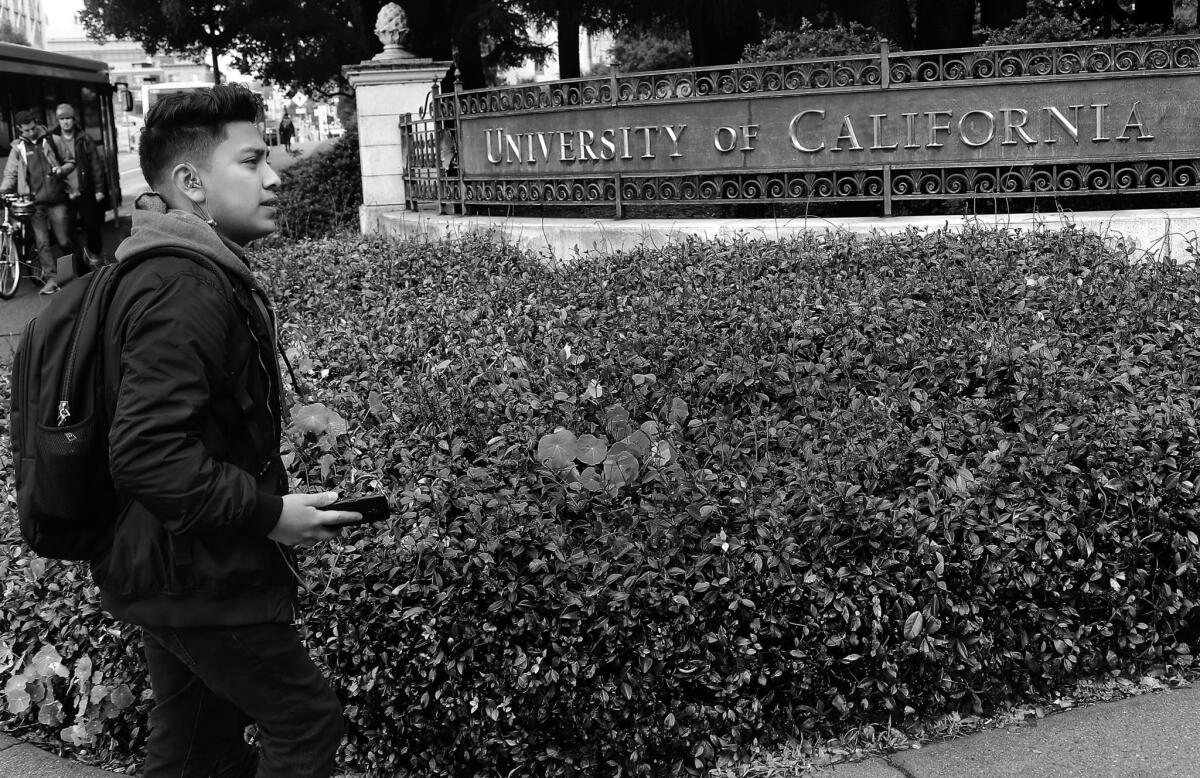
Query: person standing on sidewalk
{"points": [[286, 131], [37, 167], [86, 184], [201, 554]]}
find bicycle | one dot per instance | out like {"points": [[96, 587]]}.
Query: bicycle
{"points": [[16, 245]]}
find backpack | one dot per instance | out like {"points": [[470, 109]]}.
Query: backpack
{"points": [[59, 418]]}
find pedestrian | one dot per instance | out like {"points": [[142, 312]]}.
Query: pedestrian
{"points": [[286, 131], [86, 184], [37, 166], [201, 554]]}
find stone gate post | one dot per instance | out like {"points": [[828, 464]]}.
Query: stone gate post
{"points": [[386, 87]]}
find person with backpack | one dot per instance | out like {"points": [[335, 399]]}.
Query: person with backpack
{"points": [[85, 184], [200, 553], [38, 166]]}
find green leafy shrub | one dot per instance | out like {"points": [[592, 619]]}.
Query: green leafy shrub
{"points": [[320, 195], [656, 509], [71, 677], [640, 49], [808, 42], [1048, 23]]}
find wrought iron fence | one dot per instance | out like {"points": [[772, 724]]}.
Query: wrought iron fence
{"points": [[435, 174]]}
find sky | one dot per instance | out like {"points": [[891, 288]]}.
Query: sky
{"points": [[61, 14]]}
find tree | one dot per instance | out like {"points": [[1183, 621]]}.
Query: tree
{"points": [[721, 29], [1153, 11], [998, 14], [178, 26], [891, 18], [944, 24], [10, 34], [661, 48]]}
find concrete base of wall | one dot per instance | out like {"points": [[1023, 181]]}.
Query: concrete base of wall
{"points": [[1167, 234]]}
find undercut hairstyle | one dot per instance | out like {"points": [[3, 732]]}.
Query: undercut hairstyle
{"points": [[27, 116], [187, 126]]}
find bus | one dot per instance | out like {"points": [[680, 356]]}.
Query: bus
{"points": [[152, 93], [39, 80]]}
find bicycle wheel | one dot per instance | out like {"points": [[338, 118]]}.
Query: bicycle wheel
{"points": [[10, 267]]}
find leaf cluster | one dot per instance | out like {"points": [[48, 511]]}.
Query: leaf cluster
{"points": [[810, 42], [658, 509], [320, 195]]}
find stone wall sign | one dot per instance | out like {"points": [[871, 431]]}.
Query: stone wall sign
{"points": [[1083, 118]]}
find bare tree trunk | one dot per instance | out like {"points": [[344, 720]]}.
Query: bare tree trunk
{"points": [[569, 14], [721, 29], [890, 17], [944, 24], [998, 14], [1154, 11], [216, 68]]}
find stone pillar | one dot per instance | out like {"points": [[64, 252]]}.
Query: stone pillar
{"points": [[386, 87]]}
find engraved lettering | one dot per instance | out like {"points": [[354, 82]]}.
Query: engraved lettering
{"points": [[846, 134], [513, 146], [1135, 120], [910, 120], [586, 139], [496, 160], [935, 128], [566, 143], [793, 128], [1100, 136], [607, 138], [963, 124], [646, 132], [720, 146], [1010, 126], [749, 134], [674, 136], [625, 143], [1070, 126], [876, 131]]}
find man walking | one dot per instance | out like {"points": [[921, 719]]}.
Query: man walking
{"points": [[86, 184], [201, 553], [38, 166]]}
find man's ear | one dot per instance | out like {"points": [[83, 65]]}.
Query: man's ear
{"points": [[186, 180]]}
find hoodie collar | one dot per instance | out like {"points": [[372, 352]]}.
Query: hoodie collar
{"points": [[157, 228]]}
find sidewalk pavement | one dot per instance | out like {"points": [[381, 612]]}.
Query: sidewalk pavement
{"points": [[1153, 735]]}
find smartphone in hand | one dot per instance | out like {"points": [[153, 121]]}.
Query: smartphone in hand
{"points": [[374, 508]]}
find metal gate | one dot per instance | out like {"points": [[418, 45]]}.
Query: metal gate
{"points": [[429, 145]]}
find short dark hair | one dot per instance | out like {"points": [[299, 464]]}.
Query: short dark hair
{"points": [[188, 125], [28, 116]]}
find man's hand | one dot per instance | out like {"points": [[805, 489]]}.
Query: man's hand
{"points": [[303, 523], [99, 196]]}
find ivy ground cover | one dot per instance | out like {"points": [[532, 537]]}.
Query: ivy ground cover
{"points": [[656, 510]]}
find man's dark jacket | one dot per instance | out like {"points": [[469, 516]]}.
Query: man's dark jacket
{"points": [[89, 165], [194, 441]]}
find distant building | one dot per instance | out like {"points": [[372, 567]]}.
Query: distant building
{"points": [[594, 56], [26, 17], [130, 64]]}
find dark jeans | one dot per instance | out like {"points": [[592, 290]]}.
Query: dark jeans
{"points": [[210, 683], [47, 219], [90, 219]]}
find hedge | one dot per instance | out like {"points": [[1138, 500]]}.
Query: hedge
{"points": [[659, 509], [319, 196]]}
